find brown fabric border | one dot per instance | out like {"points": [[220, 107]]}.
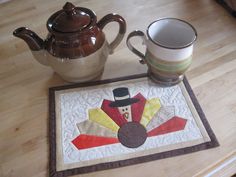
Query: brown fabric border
{"points": [[109, 165]]}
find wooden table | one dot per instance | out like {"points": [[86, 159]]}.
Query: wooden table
{"points": [[24, 83]]}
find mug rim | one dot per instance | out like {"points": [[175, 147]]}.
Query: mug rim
{"points": [[167, 47]]}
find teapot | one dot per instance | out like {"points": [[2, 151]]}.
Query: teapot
{"points": [[75, 47]]}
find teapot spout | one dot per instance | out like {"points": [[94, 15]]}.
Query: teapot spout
{"points": [[34, 42]]}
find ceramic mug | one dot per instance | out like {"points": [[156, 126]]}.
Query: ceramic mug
{"points": [[169, 47]]}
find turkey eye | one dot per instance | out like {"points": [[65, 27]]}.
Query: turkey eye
{"points": [[126, 109], [123, 110]]}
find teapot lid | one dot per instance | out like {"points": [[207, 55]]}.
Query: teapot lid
{"points": [[71, 19]]}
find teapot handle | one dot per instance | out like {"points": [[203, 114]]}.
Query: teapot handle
{"points": [[122, 28]]}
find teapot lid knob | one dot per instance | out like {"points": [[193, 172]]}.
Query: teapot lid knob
{"points": [[71, 19], [69, 8]]}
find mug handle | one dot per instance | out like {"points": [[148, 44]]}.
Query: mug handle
{"points": [[122, 28], [134, 50]]}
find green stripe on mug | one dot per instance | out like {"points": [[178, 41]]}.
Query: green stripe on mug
{"points": [[168, 66]]}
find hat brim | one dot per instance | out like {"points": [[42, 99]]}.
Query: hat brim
{"points": [[125, 102]]}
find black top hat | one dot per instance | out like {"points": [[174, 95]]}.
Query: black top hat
{"points": [[122, 97]]}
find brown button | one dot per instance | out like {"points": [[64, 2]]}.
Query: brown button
{"points": [[132, 134]]}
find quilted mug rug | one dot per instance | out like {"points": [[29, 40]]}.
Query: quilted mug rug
{"points": [[112, 123]]}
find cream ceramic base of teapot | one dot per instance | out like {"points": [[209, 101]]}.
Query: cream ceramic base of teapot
{"points": [[76, 70]]}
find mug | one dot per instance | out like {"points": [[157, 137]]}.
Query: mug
{"points": [[169, 47]]}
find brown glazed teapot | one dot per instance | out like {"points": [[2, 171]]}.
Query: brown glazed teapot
{"points": [[75, 47]]}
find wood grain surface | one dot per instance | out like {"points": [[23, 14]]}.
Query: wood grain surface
{"points": [[24, 83]]}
